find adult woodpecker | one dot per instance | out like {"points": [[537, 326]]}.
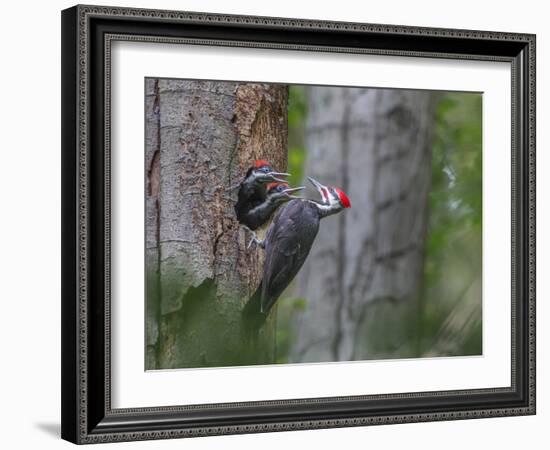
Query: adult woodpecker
{"points": [[250, 208], [287, 244]]}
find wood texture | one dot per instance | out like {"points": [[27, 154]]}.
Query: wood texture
{"points": [[201, 137]]}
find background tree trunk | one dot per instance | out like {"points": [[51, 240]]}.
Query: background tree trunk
{"points": [[201, 136], [363, 277]]}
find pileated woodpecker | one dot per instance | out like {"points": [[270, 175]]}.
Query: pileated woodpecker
{"points": [[253, 193], [287, 244]]}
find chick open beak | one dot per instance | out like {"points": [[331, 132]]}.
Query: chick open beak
{"points": [[290, 190], [274, 175]]}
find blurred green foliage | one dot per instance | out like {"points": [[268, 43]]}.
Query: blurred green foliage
{"points": [[297, 113], [450, 310], [287, 307]]}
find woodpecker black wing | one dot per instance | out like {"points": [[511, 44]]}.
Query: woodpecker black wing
{"points": [[250, 196], [288, 242]]}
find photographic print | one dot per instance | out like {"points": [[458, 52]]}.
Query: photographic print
{"points": [[331, 207], [300, 224]]}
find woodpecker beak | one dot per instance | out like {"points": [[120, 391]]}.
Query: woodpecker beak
{"points": [[270, 177], [323, 191], [274, 175], [290, 190]]}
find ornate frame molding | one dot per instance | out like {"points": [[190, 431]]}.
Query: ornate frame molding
{"points": [[80, 418]]}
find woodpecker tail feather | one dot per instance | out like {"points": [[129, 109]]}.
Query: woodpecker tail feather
{"points": [[252, 315]]}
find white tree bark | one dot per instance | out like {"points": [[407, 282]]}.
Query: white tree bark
{"points": [[201, 136], [363, 277]]}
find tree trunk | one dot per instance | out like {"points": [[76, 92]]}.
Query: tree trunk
{"points": [[363, 277], [201, 136]]}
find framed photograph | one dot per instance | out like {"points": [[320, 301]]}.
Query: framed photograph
{"points": [[280, 224]]}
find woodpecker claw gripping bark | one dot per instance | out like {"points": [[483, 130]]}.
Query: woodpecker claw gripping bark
{"points": [[254, 239]]}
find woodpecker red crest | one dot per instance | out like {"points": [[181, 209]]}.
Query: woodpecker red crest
{"points": [[343, 198], [272, 185], [261, 163]]}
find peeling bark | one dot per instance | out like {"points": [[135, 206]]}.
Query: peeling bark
{"points": [[363, 276], [207, 135]]}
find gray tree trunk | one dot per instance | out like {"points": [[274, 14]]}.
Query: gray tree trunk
{"points": [[363, 277], [201, 136]]}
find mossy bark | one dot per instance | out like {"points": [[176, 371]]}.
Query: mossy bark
{"points": [[201, 136]]}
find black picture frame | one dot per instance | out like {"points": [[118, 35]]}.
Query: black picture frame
{"points": [[87, 32]]}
